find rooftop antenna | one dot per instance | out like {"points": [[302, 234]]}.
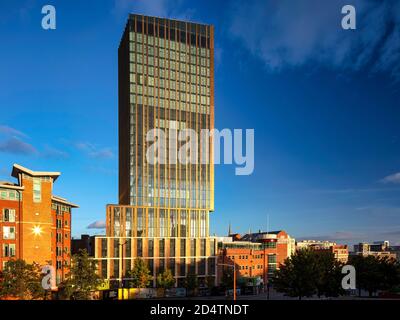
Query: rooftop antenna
{"points": [[267, 223], [230, 229]]}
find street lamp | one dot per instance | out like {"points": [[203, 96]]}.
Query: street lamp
{"points": [[234, 276], [121, 254]]}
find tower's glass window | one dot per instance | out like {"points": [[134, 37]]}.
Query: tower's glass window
{"points": [[37, 190]]}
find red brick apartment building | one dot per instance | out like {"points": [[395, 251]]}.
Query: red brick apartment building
{"points": [[255, 255], [35, 225]]}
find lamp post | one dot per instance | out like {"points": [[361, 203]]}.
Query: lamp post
{"points": [[121, 254], [234, 276]]}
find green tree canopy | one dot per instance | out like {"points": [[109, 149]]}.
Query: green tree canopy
{"points": [[309, 272], [83, 277], [165, 279], [328, 278], [390, 273], [140, 275], [21, 280], [374, 273], [191, 281], [227, 278], [295, 278], [210, 280]]}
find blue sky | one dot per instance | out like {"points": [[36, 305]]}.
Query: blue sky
{"points": [[324, 103]]}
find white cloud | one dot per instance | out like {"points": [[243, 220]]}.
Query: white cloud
{"points": [[393, 178], [100, 224], [9, 131], [295, 33], [94, 152], [53, 153], [14, 145]]}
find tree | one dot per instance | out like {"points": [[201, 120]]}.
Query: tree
{"points": [[21, 280], [367, 273], [296, 277], [328, 274], [140, 275], [83, 277], [210, 281], [374, 273], [309, 272], [227, 278], [191, 282], [165, 279], [389, 270]]}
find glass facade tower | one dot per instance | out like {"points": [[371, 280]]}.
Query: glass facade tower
{"points": [[166, 81]]}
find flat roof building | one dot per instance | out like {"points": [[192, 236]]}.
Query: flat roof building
{"points": [[255, 255], [166, 82], [340, 251], [378, 249], [86, 242]]}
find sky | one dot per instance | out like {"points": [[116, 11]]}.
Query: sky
{"points": [[323, 101]]}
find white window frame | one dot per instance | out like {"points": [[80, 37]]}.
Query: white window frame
{"points": [[8, 235], [10, 213]]}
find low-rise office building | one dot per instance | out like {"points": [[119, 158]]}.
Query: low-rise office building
{"points": [[255, 255], [164, 239], [378, 249], [395, 250], [340, 251]]}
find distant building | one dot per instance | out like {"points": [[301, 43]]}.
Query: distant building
{"points": [[255, 255], [378, 249], [314, 243], [35, 225], [376, 246], [284, 240], [86, 242], [340, 251], [396, 251]]}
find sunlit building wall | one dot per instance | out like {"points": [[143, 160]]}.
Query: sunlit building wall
{"points": [[35, 225], [166, 81]]}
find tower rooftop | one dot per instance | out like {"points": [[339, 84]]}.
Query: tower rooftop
{"points": [[17, 169]]}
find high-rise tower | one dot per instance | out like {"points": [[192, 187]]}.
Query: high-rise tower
{"points": [[166, 81]]}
